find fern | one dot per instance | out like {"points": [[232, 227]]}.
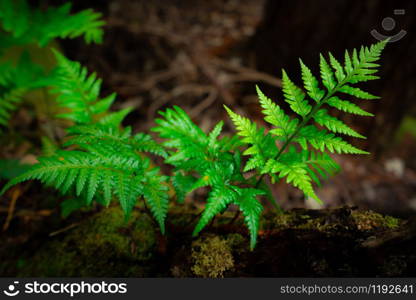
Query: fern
{"points": [[206, 160], [108, 162], [303, 167], [105, 161], [79, 92], [100, 172], [105, 135], [27, 25], [16, 81]]}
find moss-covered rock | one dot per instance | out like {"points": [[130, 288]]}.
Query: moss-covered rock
{"points": [[103, 245]]}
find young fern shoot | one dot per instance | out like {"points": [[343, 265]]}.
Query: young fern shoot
{"points": [[301, 167]]}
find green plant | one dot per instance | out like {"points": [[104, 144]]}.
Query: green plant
{"points": [[108, 160], [103, 161], [293, 149], [26, 28], [302, 167]]}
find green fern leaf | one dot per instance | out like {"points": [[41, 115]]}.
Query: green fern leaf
{"points": [[348, 65], [296, 174], [333, 124], [339, 72], [326, 74], [311, 83], [16, 81], [218, 199], [98, 134], [357, 92], [78, 92], [29, 25], [276, 116], [251, 209], [155, 193], [84, 171], [294, 96], [9, 103], [347, 107], [321, 140]]}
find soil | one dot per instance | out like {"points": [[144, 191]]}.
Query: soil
{"points": [[341, 242]]}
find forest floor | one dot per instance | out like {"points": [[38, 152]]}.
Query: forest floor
{"points": [[343, 242]]}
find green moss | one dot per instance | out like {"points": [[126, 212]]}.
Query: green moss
{"points": [[104, 245], [331, 220], [212, 256], [392, 222], [368, 220]]}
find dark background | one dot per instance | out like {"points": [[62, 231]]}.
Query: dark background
{"points": [[201, 54]]}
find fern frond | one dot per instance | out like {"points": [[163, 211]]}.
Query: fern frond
{"points": [[339, 70], [357, 92], [218, 199], [16, 81], [276, 116], [213, 135], [311, 83], [251, 209], [98, 134], [179, 129], [295, 173], [297, 168], [327, 75], [101, 177], [322, 140], [333, 124], [261, 145], [155, 194], [245, 128], [294, 96], [347, 106], [335, 78], [29, 25], [9, 102], [79, 92]]}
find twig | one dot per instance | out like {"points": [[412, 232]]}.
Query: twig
{"points": [[246, 74], [63, 229], [210, 99], [15, 195]]}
